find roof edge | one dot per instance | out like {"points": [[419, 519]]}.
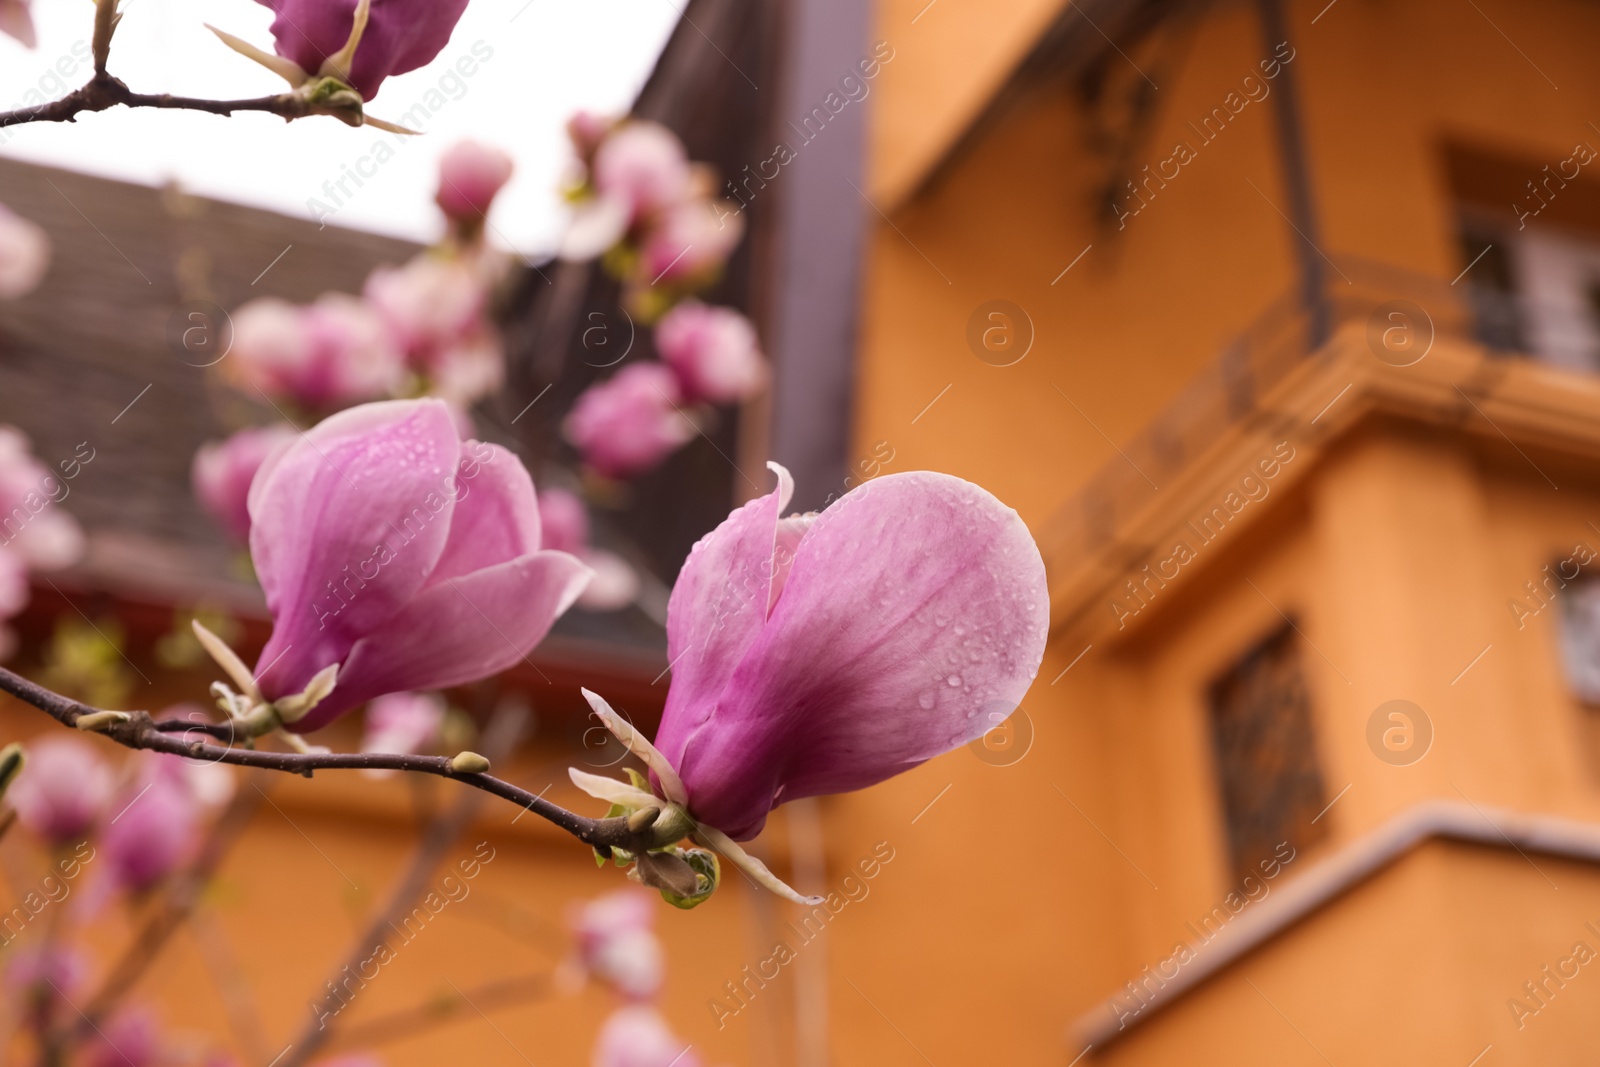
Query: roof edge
{"points": [[1346, 869]]}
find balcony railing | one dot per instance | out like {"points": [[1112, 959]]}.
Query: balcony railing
{"points": [[1403, 313]]}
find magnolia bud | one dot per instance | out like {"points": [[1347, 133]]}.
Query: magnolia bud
{"points": [[668, 871], [642, 819], [469, 763]]}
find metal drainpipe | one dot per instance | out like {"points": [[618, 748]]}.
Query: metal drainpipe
{"points": [[819, 232], [1297, 181]]}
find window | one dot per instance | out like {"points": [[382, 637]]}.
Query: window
{"points": [[1580, 637], [1261, 732], [1491, 288], [1529, 248]]}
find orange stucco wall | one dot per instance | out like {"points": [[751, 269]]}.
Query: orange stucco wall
{"points": [[1396, 551]]}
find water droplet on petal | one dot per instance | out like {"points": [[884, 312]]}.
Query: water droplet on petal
{"points": [[954, 681]]}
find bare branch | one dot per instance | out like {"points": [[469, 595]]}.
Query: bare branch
{"points": [[400, 1025], [139, 731], [178, 903], [104, 91], [499, 738]]}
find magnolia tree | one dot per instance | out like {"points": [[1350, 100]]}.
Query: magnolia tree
{"points": [[400, 555]]}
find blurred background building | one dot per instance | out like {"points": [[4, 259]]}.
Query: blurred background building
{"points": [[1278, 323]]}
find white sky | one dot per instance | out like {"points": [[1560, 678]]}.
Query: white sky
{"points": [[550, 58]]}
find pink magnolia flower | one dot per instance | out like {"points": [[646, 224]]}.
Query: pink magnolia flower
{"points": [[643, 166], [31, 523], [407, 557], [151, 832], [637, 1036], [823, 653], [617, 942], [326, 354], [44, 980], [428, 300], [14, 594], [54, 969], [714, 352], [469, 369], [402, 723], [689, 243], [401, 35], [586, 131], [470, 175], [222, 472], [630, 422], [16, 21], [565, 520], [636, 171], [269, 347], [597, 225], [615, 584], [435, 310], [24, 247], [63, 789]]}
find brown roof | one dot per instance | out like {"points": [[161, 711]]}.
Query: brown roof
{"points": [[96, 356]]}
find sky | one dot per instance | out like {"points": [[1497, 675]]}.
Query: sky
{"points": [[535, 62]]}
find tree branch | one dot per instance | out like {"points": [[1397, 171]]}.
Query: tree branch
{"points": [[499, 738], [139, 731], [179, 902], [400, 1025], [104, 91]]}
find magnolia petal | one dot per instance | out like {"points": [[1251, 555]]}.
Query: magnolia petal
{"points": [[345, 528], [611, 790], [389, 127], [286, 69], [51, 541], [457, 631], [913, 619], [399, 36], [616, 584], [640, 746], [786, 545], [302, 746], [296, 707], [16, 22], [597, 224], [714, 838], [228, 660], [718, 607], [338, 64], [496, 513]]}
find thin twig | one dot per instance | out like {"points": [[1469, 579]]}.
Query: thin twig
{"points": [[139, 731], [499, 738], [398, 1025], [239, 1005], [175, 907], [105, 91]]}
